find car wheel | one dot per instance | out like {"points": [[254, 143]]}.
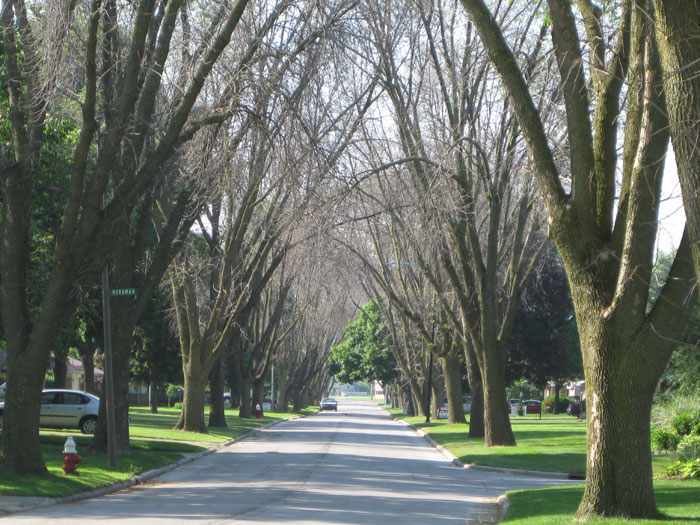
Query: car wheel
{"points": [[88, 425]]}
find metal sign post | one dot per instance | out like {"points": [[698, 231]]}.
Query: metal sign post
{"points": [[109, 386]]}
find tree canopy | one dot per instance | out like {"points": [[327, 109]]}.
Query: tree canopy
{"points": [[364, 353]]}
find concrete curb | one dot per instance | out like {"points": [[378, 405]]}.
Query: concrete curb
{"points": [[456, 462], [15, 504]]}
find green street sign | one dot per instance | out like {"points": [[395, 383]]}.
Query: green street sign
{"points": [[120, 292]]}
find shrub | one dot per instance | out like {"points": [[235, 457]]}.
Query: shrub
{"points": [[563, 403], [178, 405], [663, 439], [689, 447], [684, 423], [668, 407], [685, 470]]}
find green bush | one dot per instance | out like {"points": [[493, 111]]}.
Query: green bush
{"points": [[667, 407], [684, 423], [689, 447], [563, 403], [663, 439], [685, 470], [178, 405]]}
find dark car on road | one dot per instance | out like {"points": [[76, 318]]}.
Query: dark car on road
{"points": [[66, 409], [329, 403]]}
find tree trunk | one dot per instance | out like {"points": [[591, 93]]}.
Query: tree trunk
{"points": [[60, 369], [676, 30], [618, 408], [26, 388], [453, 385], [153, 401], [282, 401], [476, 388], [217, 417], [87, 356], [192, 415], [497, 429], [258, 392], [555, 409]]}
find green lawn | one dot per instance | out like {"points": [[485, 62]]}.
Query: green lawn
{"points": [[154, 444], [94, 471], [555, 443], [680, 500], [160, 426]]}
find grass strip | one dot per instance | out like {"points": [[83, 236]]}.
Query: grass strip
{"points": [[679, 500], [154, 444], [555, 443], [94, 471]]}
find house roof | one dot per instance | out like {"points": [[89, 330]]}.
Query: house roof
{"points": [[76, 366]]}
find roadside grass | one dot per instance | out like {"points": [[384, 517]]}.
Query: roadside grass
{"points": [[555, 443], [94, 471], [161, 425], [154, 444], [678, 500]]}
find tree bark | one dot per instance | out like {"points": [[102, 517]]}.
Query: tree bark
{"points": [[192, 415], [217, 417], [60, 369], [476, 388], [676, 32], [153, 401]]}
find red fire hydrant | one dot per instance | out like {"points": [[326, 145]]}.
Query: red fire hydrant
{"points": [[258, 411], [70, 457]]}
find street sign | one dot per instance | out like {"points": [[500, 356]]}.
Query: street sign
{"points": [[119, 292]]}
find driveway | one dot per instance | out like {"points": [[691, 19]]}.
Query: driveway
{"points": [[354, 466]]}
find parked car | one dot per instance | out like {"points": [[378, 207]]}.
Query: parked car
{"points": [[66, 409], [574, 409], [329, 403], [3, 389], [466, 403], [532, 406]]}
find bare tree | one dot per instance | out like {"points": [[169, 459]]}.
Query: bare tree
{"points": [[121, 87], [606, 241], [676, 33]]}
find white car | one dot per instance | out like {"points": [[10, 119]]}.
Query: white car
{"points": [[66, 409]]}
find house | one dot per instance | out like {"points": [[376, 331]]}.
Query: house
{"points": [[75, 374], [575, 390]]}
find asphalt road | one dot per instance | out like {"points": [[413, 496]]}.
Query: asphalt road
{"points": [[354, 466]]}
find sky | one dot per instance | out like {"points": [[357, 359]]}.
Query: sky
{"points": [[671, 214]]}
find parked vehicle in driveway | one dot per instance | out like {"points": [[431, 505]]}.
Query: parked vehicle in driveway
{"points": [[532, 406], [66, 409], [574, 409], [329, 403], [466, 404]]}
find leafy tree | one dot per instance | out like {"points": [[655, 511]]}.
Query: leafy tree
{"points": [[364, 354], [155, 356], [545, 343]]}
